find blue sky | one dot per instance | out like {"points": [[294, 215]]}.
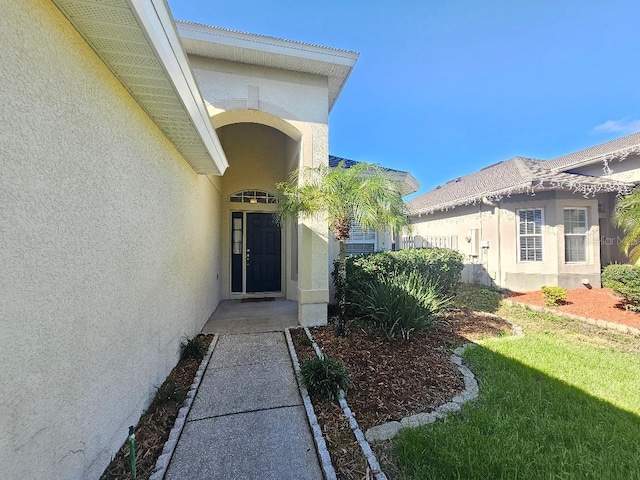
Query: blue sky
{"points": [[445, 87]]}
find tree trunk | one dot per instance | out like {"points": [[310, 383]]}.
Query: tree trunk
{"points": [[341, 327]]}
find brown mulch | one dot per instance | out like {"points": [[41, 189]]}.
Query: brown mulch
{"points": [[391, 378], [595, 303], [155, 424]]}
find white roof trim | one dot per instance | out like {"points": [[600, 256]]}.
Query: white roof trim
{"points": [[231, 45], [138, 41]]}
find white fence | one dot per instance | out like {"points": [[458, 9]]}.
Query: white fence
{"points": [[418, 241]]}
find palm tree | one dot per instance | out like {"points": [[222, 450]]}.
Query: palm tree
{"points": [[626, 216], [362, 193]]}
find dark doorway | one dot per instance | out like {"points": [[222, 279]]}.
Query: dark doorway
{"points": [[263, 253]]}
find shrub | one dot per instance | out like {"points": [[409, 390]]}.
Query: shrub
{"points": [[439, 267], [553, 296], [192, 348], [169, 391], [324, 377], [476, 297], [624, 279], [400, 303]]}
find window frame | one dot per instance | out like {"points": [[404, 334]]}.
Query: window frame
{"points": [[585, 234], [520, 235], [352, 241]]}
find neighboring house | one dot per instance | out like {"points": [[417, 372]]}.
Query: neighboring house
{"points": [[138, 168], [524, 223]]}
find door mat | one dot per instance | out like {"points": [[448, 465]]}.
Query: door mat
{"points": [[257, 299]]}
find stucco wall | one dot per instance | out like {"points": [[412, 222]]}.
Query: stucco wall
{"points": [[109, 246]]}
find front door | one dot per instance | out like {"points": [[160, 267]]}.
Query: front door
{"points": [[263, 253]]}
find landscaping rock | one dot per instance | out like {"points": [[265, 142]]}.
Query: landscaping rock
{"points": [[383, 432], [418, 420]]}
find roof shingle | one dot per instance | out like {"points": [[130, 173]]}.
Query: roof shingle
{"points": [[513, 176]]}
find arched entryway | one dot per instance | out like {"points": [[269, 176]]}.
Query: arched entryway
{"points": [[259, 257]]}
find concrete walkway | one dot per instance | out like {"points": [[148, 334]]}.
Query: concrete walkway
{"points": [[247, 419]]}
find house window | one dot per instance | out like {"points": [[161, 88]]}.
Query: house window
{"points": [[253, 196], [575, 235], [530, 235], [360, 241]]}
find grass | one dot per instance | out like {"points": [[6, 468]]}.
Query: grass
{"points": [[561, 403]]}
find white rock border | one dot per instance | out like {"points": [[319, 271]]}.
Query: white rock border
{"points": [[170, 445], [321, 446], [374, 465], [591, 321]]}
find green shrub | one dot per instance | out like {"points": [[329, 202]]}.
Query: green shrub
{"points": [[169, 391], [553, 296], [400, 303], [476, 297], [192, 348], [439, 267], [624, 279], [324, 377]]}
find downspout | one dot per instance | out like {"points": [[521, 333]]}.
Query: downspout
{"points": [[499, 269], [480, 249]]}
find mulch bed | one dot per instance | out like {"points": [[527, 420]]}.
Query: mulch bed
{"points": [[595, 303], [155, 424], [391, 378]]}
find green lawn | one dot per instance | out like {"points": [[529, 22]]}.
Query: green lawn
{"points": [[561, 403]]}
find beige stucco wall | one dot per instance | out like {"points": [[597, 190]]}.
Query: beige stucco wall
{"points": [[109, 246], [496, 222], [297, 105]]}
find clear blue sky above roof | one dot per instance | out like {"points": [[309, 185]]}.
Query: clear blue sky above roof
{"points": [[443, 87]]}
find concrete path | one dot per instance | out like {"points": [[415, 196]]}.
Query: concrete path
{"points": [[247, 419]]}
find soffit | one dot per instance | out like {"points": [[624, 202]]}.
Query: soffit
{"points": [[138, 43], [240, 47]]}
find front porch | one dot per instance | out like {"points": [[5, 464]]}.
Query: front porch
{"points": [[236, 316]]}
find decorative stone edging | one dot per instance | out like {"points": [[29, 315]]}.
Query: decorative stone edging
{"points": [[170, 445], [321, 446], [591, 321], [388, 430], [377, 472]]}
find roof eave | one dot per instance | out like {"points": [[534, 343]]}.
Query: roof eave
{"points": [[304, 58], [406, 180], [529, 188], [621, 154], [195, 138]]}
